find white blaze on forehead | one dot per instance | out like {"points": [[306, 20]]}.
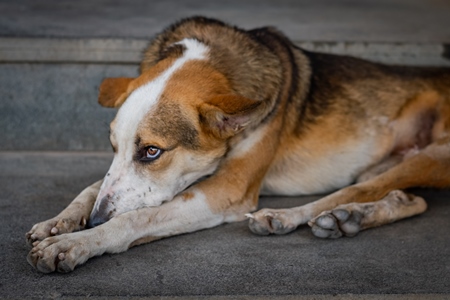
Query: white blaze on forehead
{"points": [[144, 98]]}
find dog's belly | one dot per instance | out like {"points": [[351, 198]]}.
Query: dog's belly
{"points": [[306, 172]]}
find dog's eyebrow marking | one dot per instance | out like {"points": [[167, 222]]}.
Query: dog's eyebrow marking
{"points": [[137, 141], [173, 124], [144, 99]]}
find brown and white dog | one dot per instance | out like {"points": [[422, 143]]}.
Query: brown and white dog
{"points": [[220, 115]]}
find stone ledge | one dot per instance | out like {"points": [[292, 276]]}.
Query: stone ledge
{"points": [[129, 51], [45, 50]]}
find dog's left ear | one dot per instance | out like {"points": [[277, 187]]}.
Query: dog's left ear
{"points": [[226, 115], [113, 91]]}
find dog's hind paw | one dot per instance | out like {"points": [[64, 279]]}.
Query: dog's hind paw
{"points": [[336, 223], [53, 227], [270, 221], [349, 219]]}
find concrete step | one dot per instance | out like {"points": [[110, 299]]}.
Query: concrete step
{"points": [[405, 21], [49, 86], [54, 54], [54, 106], [129, 51]]}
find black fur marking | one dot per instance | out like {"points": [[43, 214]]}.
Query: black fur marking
{"points": [[171, 123], [202, 21], [271, 38], [176, 50], [328, 73], [137, 141]]}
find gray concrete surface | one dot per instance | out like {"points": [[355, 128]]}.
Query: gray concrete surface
{"points": [[408, 257], [54, 107], [53, 56], [303, 20]]}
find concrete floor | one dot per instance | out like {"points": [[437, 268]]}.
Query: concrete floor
{"points": [[408, 257], [48, 103]]}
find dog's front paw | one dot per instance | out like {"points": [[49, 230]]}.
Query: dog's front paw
{"points": [[336, 223], [61, 253], [52, 227], [267, 221]]}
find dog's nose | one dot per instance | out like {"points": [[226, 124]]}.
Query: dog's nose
{"points": [[100, 215], [96, 219]]}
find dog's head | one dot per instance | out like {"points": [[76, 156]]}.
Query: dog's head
{"points": [[172, 128]]}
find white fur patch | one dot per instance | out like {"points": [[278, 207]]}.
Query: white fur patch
{"points": [[248, 143], [306, 175]]}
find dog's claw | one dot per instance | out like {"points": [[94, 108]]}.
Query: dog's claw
{"points": [[53, 227], [250, 216]]}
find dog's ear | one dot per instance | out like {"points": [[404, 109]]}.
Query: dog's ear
{"points": [[113, 91], [226, 115]]}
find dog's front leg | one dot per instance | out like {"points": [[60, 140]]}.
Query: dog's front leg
{"points": [[72, 218], [190, 211]]}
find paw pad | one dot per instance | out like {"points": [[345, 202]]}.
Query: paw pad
{"points": [[336, 223]]}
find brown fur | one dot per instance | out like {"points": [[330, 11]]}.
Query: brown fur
{"points": [[314, 102]]}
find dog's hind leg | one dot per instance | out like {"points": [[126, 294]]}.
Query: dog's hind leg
{"points": [[380, 168], [72, 218], [430, 167]]}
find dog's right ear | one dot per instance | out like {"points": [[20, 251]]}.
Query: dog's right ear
{"points": [[226, 115], [113, 91]]}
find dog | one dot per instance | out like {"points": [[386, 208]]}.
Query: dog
{"points": [[221, 115]]}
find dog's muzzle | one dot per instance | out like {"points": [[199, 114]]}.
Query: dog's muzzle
{"points": [[96, 219], [100, 214]]}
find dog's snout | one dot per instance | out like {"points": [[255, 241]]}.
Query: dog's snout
{"points": [[96, 220], [100, 215]]}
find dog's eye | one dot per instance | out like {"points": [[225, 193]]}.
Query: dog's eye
{"points": [[151, 153]]}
